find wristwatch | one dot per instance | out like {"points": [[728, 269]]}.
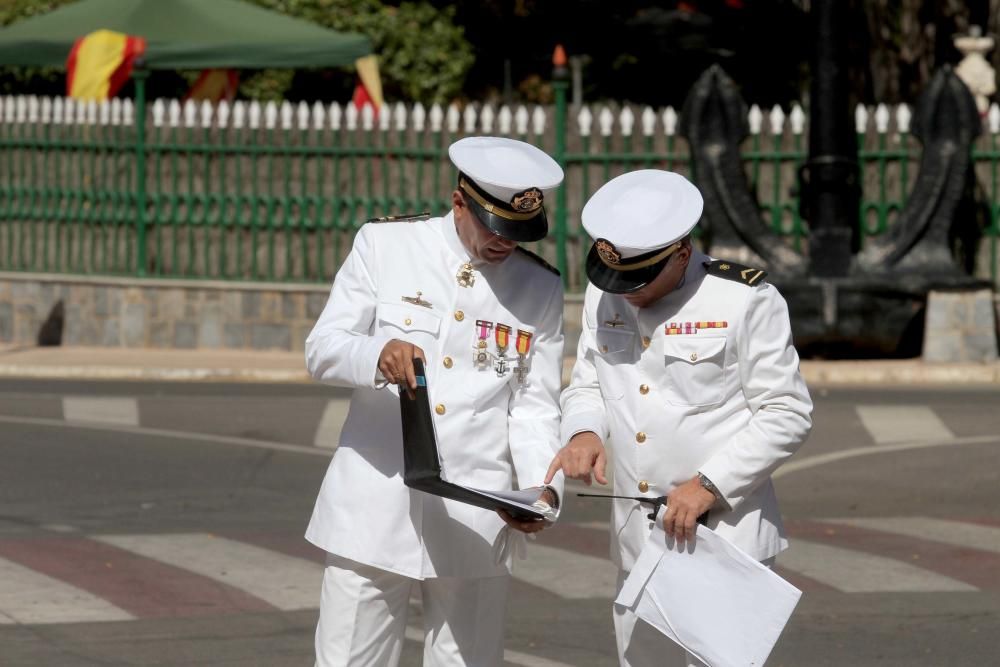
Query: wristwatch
{"points": [[707, 484]]}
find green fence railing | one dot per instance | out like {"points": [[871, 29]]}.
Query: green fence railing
{"points": [[275, 192]]}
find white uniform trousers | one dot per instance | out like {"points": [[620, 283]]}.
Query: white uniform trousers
{"points": [[642, 645], [363, 617]]}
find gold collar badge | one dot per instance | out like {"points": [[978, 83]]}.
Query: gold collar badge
{"points": [[528, 201], [466, 276], [615, 323], [608, 252]]}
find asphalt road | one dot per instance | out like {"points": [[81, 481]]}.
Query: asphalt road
{"points": [[160, 524]]}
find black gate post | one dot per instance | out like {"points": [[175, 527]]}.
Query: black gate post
{"points": [[829, 180]]}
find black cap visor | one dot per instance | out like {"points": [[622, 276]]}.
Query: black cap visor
{"points": [[521, 231], [616, 281]]}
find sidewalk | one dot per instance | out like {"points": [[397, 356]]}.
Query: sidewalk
{"points": [[102, 363]]}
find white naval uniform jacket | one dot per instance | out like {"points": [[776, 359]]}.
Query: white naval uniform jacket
{"points": [[726, 401], [489, 428]]}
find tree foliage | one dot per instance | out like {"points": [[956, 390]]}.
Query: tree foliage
{"points": [[644, 51], [423, 53]]}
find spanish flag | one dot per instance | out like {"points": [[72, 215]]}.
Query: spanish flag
{"points": [[369, 88], [215, 85], [100, 63]]}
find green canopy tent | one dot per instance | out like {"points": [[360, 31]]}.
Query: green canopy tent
{"points": [[180, 34], [184, 34]]}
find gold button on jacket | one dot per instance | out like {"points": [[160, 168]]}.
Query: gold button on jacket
{"points": [[643, 389], [439, 409], [447, 362], [459, 315], [640, 437], [643, 486]]}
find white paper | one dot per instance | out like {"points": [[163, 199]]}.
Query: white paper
{"points": [[713, 599], [525, 498]]}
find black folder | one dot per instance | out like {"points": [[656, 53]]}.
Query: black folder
{"points": [[422, 465]]}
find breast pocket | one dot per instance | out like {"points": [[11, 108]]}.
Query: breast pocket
{"points": [[695, 369], [411, 322], [615, 347]]}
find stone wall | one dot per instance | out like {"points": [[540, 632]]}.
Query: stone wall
{"points": [[125, 312], [113, 312]]}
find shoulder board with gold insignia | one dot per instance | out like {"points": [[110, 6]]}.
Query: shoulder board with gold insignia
{"points": [[539, 260], [733, 271], [413, 217]]}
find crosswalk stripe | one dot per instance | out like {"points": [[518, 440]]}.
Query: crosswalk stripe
{"points": [[143, 587], [328, 431], [283, 581], [27, 596], [513, 657], [974, 567], [902, 423], [101, 410], [854, 572], [974, 536], [567, 574]]}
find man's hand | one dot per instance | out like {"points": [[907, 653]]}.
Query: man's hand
{"points": [[524, 525], [582, 454], [396, 364], [531, 525], [685, 504]]}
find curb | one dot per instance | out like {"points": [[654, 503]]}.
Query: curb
{"points": [[899, 373], [153, 374], [816, 373]]}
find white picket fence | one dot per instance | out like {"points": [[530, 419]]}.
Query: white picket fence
{"points": [[473, 118]]}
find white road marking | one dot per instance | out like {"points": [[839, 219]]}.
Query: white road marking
{"points": [[101, 410], [902, 423], [833, 457], [513, 657], [27, 596], [328, 431], [284, 581], [569, 575], [973, 536], [177, 435], [59, 528], [856, 572]]}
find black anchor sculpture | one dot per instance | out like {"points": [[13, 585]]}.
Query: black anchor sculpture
{"points": [[842, 304], [916, 251], [714, 122]]}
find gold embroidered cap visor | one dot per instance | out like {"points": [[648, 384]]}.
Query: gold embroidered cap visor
{"points": [[610, 273], [529, 224]]}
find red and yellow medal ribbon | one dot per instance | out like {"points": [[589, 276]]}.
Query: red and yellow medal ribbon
{"points": [[523, 343], [502, 334]]}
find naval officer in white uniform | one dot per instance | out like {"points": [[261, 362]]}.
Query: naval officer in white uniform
{"points": [[685, 371], [486, 318]]}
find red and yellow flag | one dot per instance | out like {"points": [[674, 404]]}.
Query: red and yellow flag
{"points": [[100, 63], [215, 85], [369, 88]]}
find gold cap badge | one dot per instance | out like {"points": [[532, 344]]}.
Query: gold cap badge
{"points": [[528, 201], [607, 251]]}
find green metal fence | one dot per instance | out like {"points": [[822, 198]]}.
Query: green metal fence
{"points": [[276, 192]]}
